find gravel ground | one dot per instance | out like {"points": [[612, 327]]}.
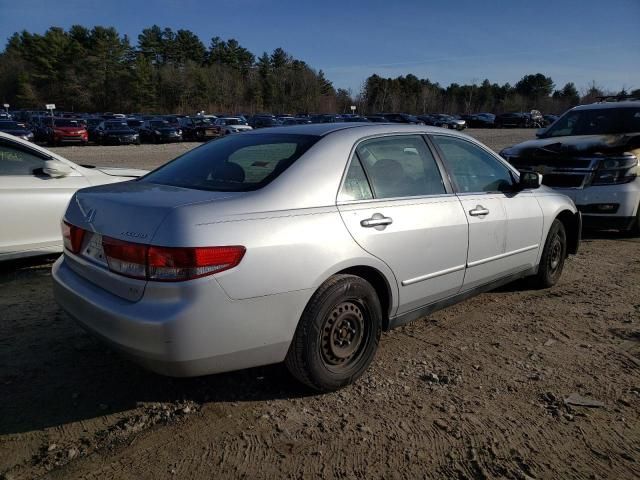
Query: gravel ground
{"points": [[485, 389], [150, 156]]}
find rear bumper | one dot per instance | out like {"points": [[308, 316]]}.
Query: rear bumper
{"points": [[184, 329]]}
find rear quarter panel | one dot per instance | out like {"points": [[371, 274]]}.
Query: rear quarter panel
{"points": [[286, 250]]}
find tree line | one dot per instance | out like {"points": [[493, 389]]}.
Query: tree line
{"points": [[534, 91], [98, 69]]}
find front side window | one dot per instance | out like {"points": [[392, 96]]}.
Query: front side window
{"points": [[235, 163], [14, 161], [400, 166], [471, 168]]}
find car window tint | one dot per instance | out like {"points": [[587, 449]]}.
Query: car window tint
{"points": [[234, 163], [356, 186], [471, 168], [400, 166], [15, 161]]}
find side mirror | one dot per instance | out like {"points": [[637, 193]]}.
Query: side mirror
{"points": [[529, 180], [540, 132], [56, 169]]}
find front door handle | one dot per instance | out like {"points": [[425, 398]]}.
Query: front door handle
{"points": [[479, 211], [377, 220]]}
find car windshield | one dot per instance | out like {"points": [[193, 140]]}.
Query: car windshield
{"points": [[234, 163], [596, 121], [201, 121], [66, 123], [8, 124], [134, 123], [159, 123], [115, 125], [233, 121]]}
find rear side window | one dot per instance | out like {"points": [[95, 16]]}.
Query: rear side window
{"points": [[15, 161], [236, 163], [356, 186], [400, 166]]}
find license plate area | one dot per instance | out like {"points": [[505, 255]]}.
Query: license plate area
{"points": [[93, 249]]}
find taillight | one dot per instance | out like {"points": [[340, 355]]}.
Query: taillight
{"points": [[168, 264], [125, 258], [175, 264], [72, 237]]}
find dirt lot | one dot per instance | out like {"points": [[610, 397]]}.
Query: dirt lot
{"points": [[479, 390]]}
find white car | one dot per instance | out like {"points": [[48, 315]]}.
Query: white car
{"points": [[35, 188], [227, 125]]}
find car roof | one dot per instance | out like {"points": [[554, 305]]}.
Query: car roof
{"points": [[606, 105], [363, 129]]}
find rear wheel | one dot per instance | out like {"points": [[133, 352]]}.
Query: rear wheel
{"points": [[338, 334], [553, 257]]}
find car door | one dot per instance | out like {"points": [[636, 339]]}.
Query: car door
{"points": [[504, 225], [398, 208], [32, 203]]}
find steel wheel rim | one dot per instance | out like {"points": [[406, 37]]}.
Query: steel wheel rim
{"points": [[343, 334], [555, 253]]}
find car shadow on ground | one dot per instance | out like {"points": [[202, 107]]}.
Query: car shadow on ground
{"points": [[53, 373]]}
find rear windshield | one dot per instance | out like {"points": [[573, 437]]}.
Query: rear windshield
{"points": [[235, 163], [596, 121]]}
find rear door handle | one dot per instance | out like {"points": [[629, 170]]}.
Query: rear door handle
{"points": [[377, 221], [479, 211]]}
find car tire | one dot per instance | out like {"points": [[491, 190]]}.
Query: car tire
{"points": [[338, 334], [553, 257]]}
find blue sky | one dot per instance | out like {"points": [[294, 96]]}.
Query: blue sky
{"points": [[462, 41]]}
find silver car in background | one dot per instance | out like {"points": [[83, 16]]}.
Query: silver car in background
{"points": [[301, 244], [35, 188]]}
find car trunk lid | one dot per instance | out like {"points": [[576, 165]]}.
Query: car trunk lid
{"points": [[130, 212]]}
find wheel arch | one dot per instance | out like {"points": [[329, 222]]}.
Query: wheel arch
{"points": [[573, 226], [380, 284]]}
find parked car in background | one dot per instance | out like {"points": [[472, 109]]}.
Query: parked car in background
{"points": [[326, 118], [35, 188], [228, 125], [213, 262], [513, 120], [377, 119], [263, 121], [400, 118], [591, 155], [135, 124], [159, 131], [355, 118], [15, 129], [116, 132], [60, 131], [480, 120], [92, 123], [197, 129], [449, 121], [549, 119]]}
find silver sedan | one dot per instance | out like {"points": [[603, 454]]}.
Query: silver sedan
{"points": [[35, 188], [301, 244]]}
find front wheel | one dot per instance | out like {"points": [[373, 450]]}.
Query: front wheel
{"points": [[553, 257], [338, 334]]}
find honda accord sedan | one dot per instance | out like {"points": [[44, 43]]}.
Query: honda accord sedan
{"points": [[301, 244]]}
